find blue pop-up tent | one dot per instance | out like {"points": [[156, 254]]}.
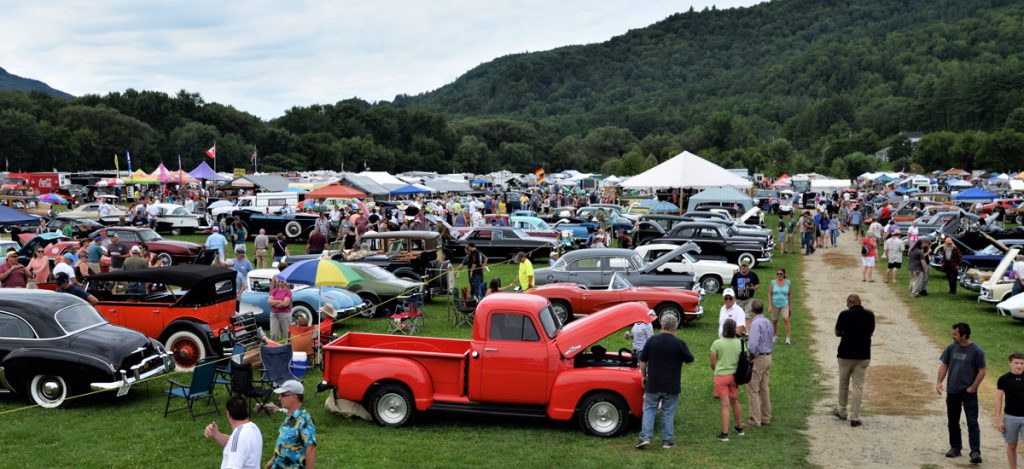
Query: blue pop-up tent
{"points": [[974, 194], [10, 216], [410, 190]]}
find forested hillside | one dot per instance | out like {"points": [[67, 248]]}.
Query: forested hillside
{"points": [[9, 81], [791, 85]]}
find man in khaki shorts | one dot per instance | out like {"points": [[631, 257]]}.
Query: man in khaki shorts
{"points": [[262, 243]]}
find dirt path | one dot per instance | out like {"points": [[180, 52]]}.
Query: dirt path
{"points": [[904, 419]]}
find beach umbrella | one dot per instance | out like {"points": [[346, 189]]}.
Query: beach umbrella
{"points": [[320, 272], [52, 198]]}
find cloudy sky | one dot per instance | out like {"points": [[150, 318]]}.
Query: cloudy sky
{"points": [[265, 56]]}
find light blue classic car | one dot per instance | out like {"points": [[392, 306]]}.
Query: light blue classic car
{"points": [[305, 299]]}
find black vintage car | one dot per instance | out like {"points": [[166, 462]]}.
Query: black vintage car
{"points": [[294, 225], [501, 242], [651, 226], [55, 345], [718, 242]]}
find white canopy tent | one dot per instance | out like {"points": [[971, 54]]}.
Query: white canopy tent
{"points": [[685, 171]]}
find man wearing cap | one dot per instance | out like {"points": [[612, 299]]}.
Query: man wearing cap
{"points": [[217, 242], [894, 255], [135, 261], [296, 439], [117, 251], [745, 283], [63, 266], [64, 285], [12, 273], [730, 310], [951, 260], [242, 266]]}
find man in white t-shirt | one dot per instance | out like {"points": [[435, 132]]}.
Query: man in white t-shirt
{"points": [[730, 310], [244, 448], [1018, 275], [64, 266]]}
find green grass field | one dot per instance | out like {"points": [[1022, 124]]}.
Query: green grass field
{"points": [[101, 431], [938, 311]]}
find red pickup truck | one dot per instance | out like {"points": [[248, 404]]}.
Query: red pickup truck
{"points": [[520, 361]]}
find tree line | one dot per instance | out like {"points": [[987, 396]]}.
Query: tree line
{"points": [[785, 86]]}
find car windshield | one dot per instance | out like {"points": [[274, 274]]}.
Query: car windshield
{"points": [[377, 272], [542, 225], [78, 317], [991, 250], [520, 233], [148, 235], [549, 322], [638, 261], [618, 282]]}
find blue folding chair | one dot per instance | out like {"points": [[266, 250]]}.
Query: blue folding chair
{"points": [[276, 362], [223, 375], [201, 388]]}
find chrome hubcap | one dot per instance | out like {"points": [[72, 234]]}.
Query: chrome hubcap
{"points": [[392, 408], [603, 417], [51, 389]]}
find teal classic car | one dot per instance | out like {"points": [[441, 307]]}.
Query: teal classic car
{"points": [[305, 299]]}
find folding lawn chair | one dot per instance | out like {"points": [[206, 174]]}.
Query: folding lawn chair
{"points": [[243, 386], [224, 370], [201, 388], [408, 318], [277, 362], [463, 307]]}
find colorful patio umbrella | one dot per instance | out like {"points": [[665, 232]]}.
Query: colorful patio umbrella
{"points": [[52, 198], [320, 272]]}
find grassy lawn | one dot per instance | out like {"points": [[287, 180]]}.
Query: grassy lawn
{"points": [[131, 432], [938, 311]]}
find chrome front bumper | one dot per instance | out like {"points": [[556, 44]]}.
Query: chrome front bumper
{"points": [[986, 295], [135, 373]]}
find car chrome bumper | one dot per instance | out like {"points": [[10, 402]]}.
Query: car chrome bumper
{"points": [[134, 374], [986, 295], [766, 256], [699, 313]]}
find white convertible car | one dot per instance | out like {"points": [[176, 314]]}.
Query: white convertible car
{"points": [[1013, 307], [709, 275]]}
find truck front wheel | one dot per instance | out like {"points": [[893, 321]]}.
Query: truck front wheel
{"points": [[604, 414], [392, 405]]}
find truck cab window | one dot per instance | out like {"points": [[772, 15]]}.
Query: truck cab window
{"points": [[512, 327]]}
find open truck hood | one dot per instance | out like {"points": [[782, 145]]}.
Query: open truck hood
{"points": [[576, 336]]}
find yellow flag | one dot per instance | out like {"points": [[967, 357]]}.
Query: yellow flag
{"points": [[117, 167]]}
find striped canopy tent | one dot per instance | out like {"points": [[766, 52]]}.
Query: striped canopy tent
{"points": [[140, 177]]}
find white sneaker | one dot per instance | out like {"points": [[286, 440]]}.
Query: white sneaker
{"points": [[787, 341], [775, 339]]}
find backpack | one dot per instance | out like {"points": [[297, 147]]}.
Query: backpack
{"points": [[863, 250], [744, 367]]}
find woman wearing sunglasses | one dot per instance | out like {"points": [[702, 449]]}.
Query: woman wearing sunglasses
{"points": [[781, 293], [39, 267]]}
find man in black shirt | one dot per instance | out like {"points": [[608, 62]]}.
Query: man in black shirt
{"points": [[475, 261], [854, 328], [745, 283], [661, 363], [1011, 386], [964, 362]]}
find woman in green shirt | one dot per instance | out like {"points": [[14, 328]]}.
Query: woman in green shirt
{"points": [[725, 355]]}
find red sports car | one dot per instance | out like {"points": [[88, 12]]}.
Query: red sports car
{"points": [[569, 300]]}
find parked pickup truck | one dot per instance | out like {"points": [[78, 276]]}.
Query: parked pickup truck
{"points": [[520, 361]]}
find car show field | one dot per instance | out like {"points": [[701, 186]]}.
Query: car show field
{"points": [[92, 431]]}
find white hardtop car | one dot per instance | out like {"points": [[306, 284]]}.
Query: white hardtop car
{"points": [[708, 274], [999, 287]]}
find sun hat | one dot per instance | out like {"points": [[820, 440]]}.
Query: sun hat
{"points": [[328, 309]]}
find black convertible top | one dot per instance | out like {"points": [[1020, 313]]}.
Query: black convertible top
{"points": [[184, 275]]}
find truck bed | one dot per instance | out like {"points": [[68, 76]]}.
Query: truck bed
{"points": [[444, 359]]}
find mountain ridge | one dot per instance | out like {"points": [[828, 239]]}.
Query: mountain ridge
{"points": [[10, 81]]}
